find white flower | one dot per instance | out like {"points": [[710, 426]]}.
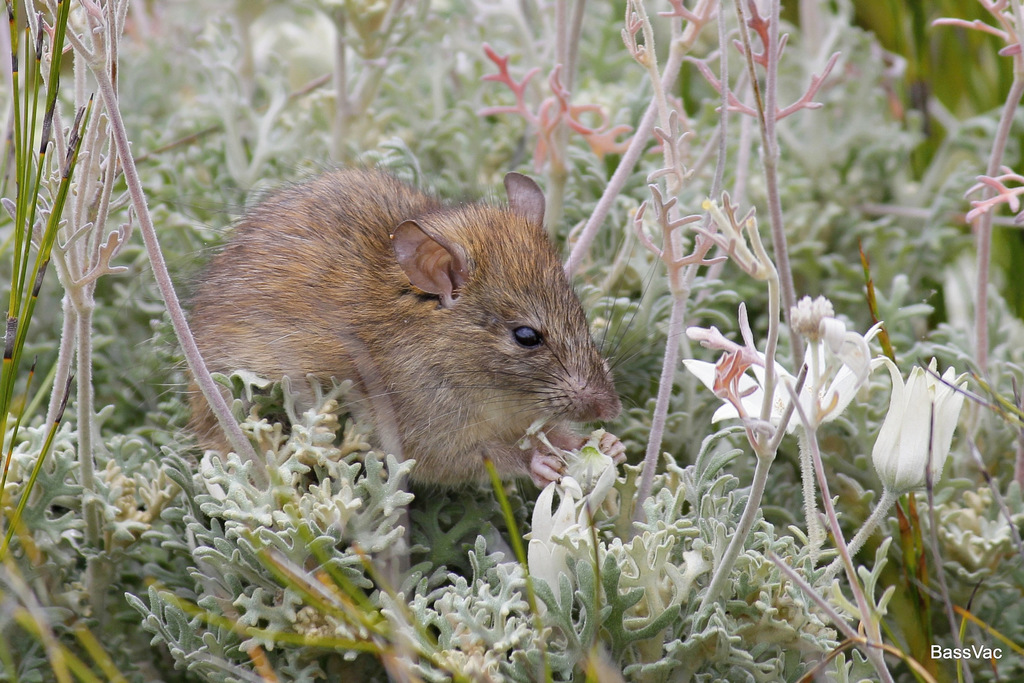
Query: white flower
{"points": [[849, 347], [545, 558], [589, 466], [922, 411]]}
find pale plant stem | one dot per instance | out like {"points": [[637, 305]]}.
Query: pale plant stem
{"points": [[84, 307], [771, 344], [679, 282], [665, 384], [765, 451], [81, 252], [193, 357], [576, 31], [771, 162], [66, 348], [97, 575], [885, 504], [340, 122], [983, 238], [869, 623], [680, 279], [815, 531], [561, 42], [636, 148], [771, 278], [767, 107], [933, 533], [65, 353]]}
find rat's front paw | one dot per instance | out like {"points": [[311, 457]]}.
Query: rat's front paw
{"points": [[612, 447], [545, 468]]}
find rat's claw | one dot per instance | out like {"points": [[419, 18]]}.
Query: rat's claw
{"points": [[613, 448], [545, 468]]}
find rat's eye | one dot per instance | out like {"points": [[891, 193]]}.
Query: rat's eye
{"points": [[527, 337]]}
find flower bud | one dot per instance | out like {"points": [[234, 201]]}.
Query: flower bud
{"points": [[921, 412]]}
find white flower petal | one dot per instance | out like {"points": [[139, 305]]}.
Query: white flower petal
{"points": [[703, 371], [887, 441], [565, 515], [540, 527], [922, 411]]}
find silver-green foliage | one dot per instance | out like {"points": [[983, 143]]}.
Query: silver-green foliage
{"points": [[335, 505]]}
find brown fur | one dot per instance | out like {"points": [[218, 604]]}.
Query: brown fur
{"points": [[310, 284]]}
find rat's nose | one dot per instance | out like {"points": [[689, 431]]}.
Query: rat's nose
{"points": [[609, 408], [594, 399]]}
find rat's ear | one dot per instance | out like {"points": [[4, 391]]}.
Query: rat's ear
{"points": [[431, 264], [524, 197]]}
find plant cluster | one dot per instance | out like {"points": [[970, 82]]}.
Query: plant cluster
{"points": [[757, 225]]}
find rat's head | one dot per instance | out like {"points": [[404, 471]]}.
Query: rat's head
{"points": [[504, 304]]}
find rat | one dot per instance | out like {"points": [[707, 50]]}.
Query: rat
{"points": [[456, 323]]}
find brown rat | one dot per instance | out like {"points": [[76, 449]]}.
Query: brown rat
{"points": [[457, 324]]}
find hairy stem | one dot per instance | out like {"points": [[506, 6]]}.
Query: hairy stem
{"points": [[885, 504], [65, 354], [84, 308], [665, 384], [815, 531]]}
